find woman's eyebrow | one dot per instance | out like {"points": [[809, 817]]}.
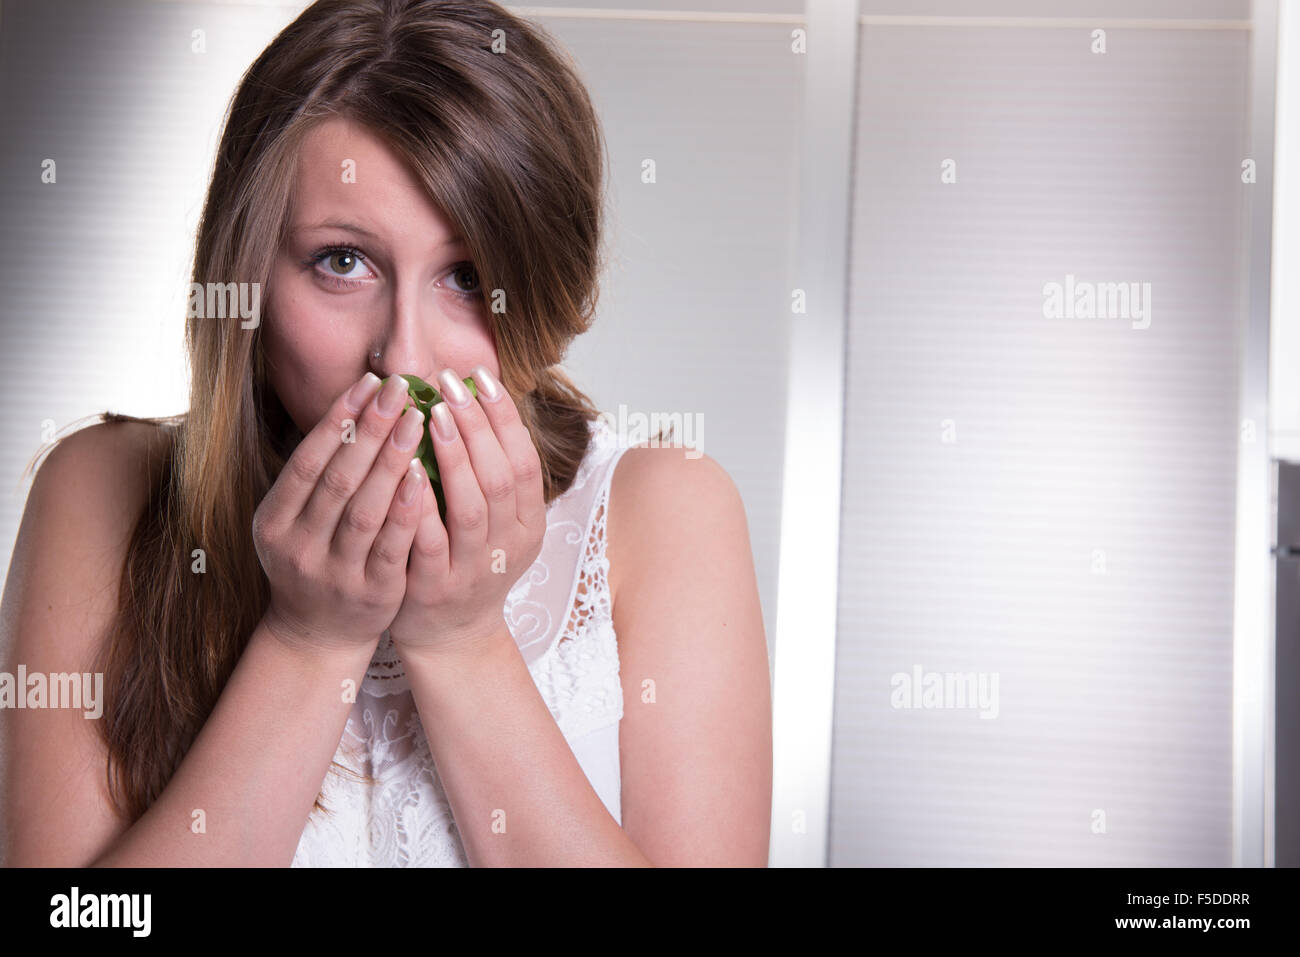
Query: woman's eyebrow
{"points": [[353, 227], [336, 224]]}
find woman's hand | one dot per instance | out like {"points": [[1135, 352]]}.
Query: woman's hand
{"points": [[491, 474], [334, 532]]}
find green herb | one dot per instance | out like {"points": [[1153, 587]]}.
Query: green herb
{"points": [[424, 397]]}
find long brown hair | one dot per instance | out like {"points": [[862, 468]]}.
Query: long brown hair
{"points": [[507, 143]]}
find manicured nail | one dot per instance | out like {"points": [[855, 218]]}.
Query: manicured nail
{"points": [[360, 393], [444, 422], [393, 398], [411, 483], [453, 390], [409, 429], [488, 386]]}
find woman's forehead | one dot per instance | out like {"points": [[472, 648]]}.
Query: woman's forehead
{"points": [[348, 179]]}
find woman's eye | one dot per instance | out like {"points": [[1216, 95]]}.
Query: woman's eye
{"points": [[465, 280], [346, 267], [343, 263], [341, 266]]}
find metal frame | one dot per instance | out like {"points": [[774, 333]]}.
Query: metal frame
{"points": [[808, 580], [1253, 646]]}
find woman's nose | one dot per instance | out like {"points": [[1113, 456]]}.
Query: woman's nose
{"points": [[406, 346]]}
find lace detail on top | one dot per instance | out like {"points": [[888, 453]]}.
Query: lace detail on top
{"points": [[591, 590], [402, 816], [583, 681]]}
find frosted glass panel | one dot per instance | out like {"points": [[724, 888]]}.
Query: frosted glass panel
{"points": [[1045, 505]]}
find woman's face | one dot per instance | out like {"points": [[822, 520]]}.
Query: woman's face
{"points": [[369, 264]]}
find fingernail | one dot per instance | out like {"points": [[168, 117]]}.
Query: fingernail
{"points": [[444, 422], [360, 393], [411, 483], [488, 386], [393, 397], [453, 389], [409, 428]]}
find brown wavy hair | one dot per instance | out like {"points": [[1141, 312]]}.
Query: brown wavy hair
{"points": [[507, 144]]}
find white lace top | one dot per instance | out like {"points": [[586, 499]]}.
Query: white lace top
{"points": [[560, 615]]}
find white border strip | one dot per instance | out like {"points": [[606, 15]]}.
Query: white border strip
{"points": [[799, 19], [1071, 23], [808, 582], [689, 16], [1252, 644]]}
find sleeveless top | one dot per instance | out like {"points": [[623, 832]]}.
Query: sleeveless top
{"points": [[559, 613]]}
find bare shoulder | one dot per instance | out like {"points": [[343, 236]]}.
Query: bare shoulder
{"points": [[60, 596], [661, 500], [691, 643], [122, 446], [101, 474], [84, 502]]}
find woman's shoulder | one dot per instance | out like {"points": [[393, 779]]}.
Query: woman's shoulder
{"points": [[98, 478], [115, 436], [62, 581], [119, 456], [658, 466], [661, 496], [653, 480]]}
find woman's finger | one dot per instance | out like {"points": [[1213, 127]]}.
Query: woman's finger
{"points": [[430, 550], [352, 462], [491, 468], [467, 510], [524, 462], [392, 546], [298, 479], [365, 513]]}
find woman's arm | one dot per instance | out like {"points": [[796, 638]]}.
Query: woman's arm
{"points": [[695, 741], [256, 766], [696, 736]]}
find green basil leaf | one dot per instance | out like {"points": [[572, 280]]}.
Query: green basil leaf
{"points": [[418, 388], [425, 397]]}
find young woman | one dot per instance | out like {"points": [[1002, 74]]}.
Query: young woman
{"points": [[303, 664]]}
